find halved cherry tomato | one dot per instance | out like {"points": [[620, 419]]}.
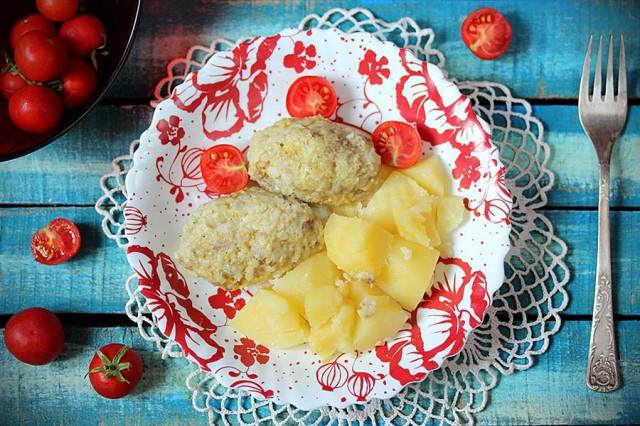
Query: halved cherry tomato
{"points": [[56, 242], [311, 95], [224, 169], [398, 144], [34, 22], [486, 33]]}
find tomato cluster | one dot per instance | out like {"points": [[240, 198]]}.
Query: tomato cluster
{"points": [[50, 70]]}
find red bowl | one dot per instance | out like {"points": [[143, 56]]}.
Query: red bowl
{"points": [[120, 18]]}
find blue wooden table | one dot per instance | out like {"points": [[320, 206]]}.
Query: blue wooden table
{"points": [[542, 65]]}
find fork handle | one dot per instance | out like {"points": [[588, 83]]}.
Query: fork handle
{"points": [[603, 373]]}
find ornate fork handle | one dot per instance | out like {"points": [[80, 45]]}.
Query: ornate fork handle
{"points": [[603, 374]]}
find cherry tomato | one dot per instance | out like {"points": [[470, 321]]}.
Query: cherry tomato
{"points": [[10, 83], [82, 34], [78, 82], [115, 370], [57, 10], [35, 108], [311, 95], [34, 336], [224, 169], [40, 56], [486, 33], [34, 22], [56, 242], [398, 144]]}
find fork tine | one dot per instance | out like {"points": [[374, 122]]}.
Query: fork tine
{"points": [[608, 92], [597, 80], [622, 73], [586, 70]]}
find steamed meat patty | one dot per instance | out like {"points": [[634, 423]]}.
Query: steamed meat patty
{"points": [[314, 160], [248, 237]]}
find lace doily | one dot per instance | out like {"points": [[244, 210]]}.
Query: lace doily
{"points": [[525, 311]]}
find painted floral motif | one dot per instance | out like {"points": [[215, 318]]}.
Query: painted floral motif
{"points": [[457, 304], [250, 352], [170, 131], [230, 88], [300, 59], [466, 169], [229, 301], [373, 68], [168, 297], [135, 221]]}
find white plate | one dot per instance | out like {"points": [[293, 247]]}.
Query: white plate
{"points": [[242, 90]]}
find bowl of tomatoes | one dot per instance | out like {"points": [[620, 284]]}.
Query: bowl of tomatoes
{"points": [[58, 59]]}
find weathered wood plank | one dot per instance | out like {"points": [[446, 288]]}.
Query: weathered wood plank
{"points": [[93, 281], [543, 61], [574, 161], [553, 391], [69, 170]]}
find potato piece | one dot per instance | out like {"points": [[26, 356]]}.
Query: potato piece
{"points": [[336, 334], [321, 304], [356, 246], [430, 174], [316, 271], [271, 320], [378, 318], [408, 272], [449, 213]]}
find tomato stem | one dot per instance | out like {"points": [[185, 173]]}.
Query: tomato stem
{"points": [[112, 368]]}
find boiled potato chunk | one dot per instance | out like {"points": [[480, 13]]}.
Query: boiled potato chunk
{"points": [[321, 304], [449, 213], [336, 334], [379, 317], [271, 320], [356, 246], [316, 271], [430, 174], [408, 271]]}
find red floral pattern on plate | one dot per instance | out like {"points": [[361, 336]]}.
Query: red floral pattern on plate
{"points": [[242, 90], [230, 88], [301, 58], [373, 68], [250, 352]]}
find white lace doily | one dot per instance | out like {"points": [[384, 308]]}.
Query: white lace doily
{"points": [[525, 311]]}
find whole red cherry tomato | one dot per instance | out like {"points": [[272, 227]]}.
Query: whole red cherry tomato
{"points": [[57, 10], [56, 242], [79, 81], [34, 336], [115, 370], [40, 57], [34, 22], [35, 108], [486, 33], [10, 83], [82, 34]]}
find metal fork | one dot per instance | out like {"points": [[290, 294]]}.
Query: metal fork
{"points": [[602, 118]]}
